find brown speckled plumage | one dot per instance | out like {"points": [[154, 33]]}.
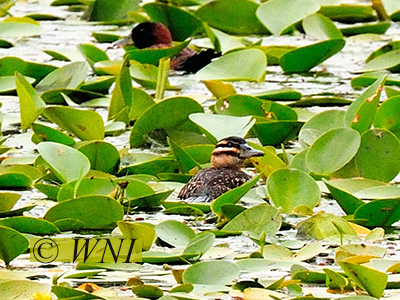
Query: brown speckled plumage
{"points": [[226, 174]]}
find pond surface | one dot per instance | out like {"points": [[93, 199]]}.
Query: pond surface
{"points": [[331, 77]]}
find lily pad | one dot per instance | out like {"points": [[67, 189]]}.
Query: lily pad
{"points": [[237, 17], [247, 64], [366, 79], [386, 61], [96, 212], [305, 58], [278, 15], [59, 158], [138, 230], [216, 127], [30, 225], [348, 13], [289, 188], [111, 10], [175, 233], [57, 96], [386, 116], [332, 150], [31, 106], [17, 29], [379, 155], [20, 289], [382, 213], [12, 244], [47, 134], [271, 132], [84, 124], [177, 108], [8, 200], [181, 23], [211, 272], [378, 28], [260, 219], [9, 65], [7, 84]]}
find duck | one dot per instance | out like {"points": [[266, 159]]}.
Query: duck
{"points": [[227, 161], [153, 35]]}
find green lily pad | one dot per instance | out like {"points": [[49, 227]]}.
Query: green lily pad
{"points": [[99, 84], [44, 17], [379, 155], [6, 44], [148, 201], [69, 77], [289, 188], [17, 29], [64, 54], [348, 13], [200, 244], [284, 94], [111, 10], [222, 42], [12, 244], [56, 96], [92, 54], [324, 226], [151, 167], [147, 291], [276, 132], [389, 61], [47, 134], [8, 86], [175, 233], [386, 116], [278, 15], [103, 156], [332, 150], [379, 192], [394, 45], [321, 101], [360, 115], [9, 65], [177, 108], [235, 17], [305, 58], [343, 191], [211, 272], [372, 281], [84, 124], [96, 212], [169, 15], [31, 106], [18, 176], [106, 36], [319, 124], [260, 219], [30, 225], [382, 213], [138, 230], [247, 64], [378, 28], [67, 292], [367, 79], [185, 161], [216, 127], [20, 289], [321, 27], [59, 158], [8, 200], [87, 187], [50, 190]]}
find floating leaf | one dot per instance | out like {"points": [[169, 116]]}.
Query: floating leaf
{"points": [[66, 77], [324, 226], [289, 188], [379, 155], [167, 14], [248, 64], [64, 54], [389, 60], [211, 272], [18, 176], [138, 230], [9, 65], [92, 54], [103, 156], [321, 27], [360, 115], [382, 213], [332, 150], [235, 17], [47, 134], [278, 15], [147, 291], [31, 106], [386, 116], [319, 124], [22, 289], [175, 233], [217, 127], [7, 201], [96, 212], [370, 280], [57, 96], [321, 101], [348, 13], [111, 10], [30, 225], [12, 244], [305, 58], [8, 84], [177, 108], [378, 28], [260, 219], [17, 29], [200, 244], [84, 124], [59, 157], [185, 161], [276, 132]]}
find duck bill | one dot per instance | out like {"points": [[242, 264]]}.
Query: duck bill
{"points": [[246, 151], [123, 42]]}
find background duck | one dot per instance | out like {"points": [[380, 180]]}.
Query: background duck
{"points": [[225, 174], [157, 35]]}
